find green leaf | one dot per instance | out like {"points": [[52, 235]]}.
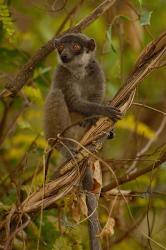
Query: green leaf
{"points": [[140, 2], [6, 20], [41, 71], [4, 207], [145, 17], [11, 59], [62, 243], [34, 94], [126, 18], [108, 44], [24, 124]]}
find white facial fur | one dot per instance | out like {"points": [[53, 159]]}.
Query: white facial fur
{"points": [[78, 64]]}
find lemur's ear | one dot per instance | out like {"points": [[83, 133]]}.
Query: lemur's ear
{"points": [[56, 41], [91, 44]]}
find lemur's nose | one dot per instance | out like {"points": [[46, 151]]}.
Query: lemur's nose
{"points": [[65, 58]]}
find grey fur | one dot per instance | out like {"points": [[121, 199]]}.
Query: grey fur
{"points": [[77, 91]]}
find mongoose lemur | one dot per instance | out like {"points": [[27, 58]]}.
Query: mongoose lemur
{"points": [[77, 90]]}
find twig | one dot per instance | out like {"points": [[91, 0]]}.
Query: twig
{"points": [[148, 145], [148, 209], [129, 230], [73, 11], [127, 178], [12, 124], [132, 194], [20, 166], [4, 117], [11, 237], [47, 159], [148, 107]]}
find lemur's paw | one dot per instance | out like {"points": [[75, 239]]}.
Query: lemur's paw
{"points": [[113, 113], [111, 134], [88, 122]]}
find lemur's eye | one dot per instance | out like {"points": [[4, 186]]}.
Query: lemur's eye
{"points": [[60, 47], [76, 47]]}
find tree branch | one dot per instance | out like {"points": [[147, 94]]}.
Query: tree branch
{"points": [[132, 176]]}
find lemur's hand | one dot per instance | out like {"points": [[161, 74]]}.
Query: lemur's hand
{"points": [[113, 113]]}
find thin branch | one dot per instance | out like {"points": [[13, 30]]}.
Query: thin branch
{"points": [[149, 189], [149, 107], [132, 176], [148, 144], [4, 117], [12, 124], [11, 237], [72, 12], [130, 229]]}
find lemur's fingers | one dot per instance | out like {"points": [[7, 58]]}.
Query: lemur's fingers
{"points": [[114, 113], [111, 134], [89, 122]]}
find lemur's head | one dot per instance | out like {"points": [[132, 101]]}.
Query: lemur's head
{"points": [[75, 49]]}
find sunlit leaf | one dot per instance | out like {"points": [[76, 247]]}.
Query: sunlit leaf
{"points": [[138, 127], [6, 20], [34, 94], [62, 243], [108, 43], [24, 124], [108, 228], [40, 71], [145, 17], [140, 2], [4, 207], [97, 177]]}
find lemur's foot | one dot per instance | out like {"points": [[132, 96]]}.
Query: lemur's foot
{"points": [[111, 134], [88, 122]]}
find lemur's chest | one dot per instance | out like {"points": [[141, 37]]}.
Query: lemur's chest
{"points": [[86, 87]]}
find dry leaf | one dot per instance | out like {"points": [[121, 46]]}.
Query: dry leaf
{"points": [[79, 207], [97, 177], [108, 229], [82, 204], [76, 210], [116, 192]]}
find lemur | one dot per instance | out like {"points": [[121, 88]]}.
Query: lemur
{"points": [[77, 90]]}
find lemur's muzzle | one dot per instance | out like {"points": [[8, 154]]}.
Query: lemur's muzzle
{"points": [[65, 58]]}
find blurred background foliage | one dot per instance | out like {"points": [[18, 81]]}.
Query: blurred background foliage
{"points": [[120, 35]]}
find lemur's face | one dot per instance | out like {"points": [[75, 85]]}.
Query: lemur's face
{"points": [[74, 50]]}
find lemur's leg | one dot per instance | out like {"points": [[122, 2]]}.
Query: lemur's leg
{"points": [[57, 119]]}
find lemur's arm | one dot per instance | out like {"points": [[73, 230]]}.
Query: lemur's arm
{"points": [[77, 104]]}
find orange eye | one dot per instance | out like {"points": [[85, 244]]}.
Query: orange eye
{"points": [[60, 47], [76, 46]]}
